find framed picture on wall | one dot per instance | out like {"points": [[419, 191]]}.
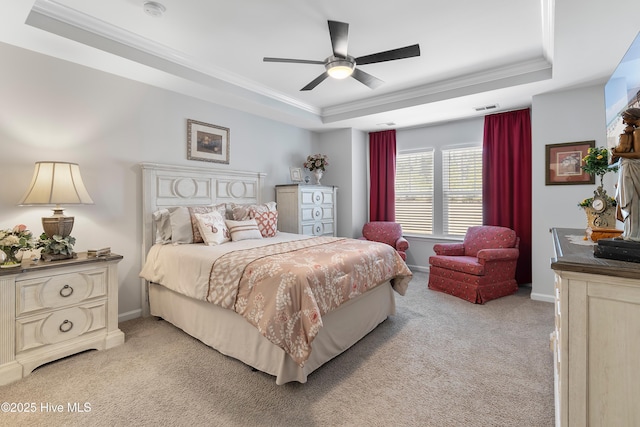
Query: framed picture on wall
{"points": [[207, 143], [563, 163]]}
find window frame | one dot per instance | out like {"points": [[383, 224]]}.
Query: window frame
{"points": [[438, 214]]}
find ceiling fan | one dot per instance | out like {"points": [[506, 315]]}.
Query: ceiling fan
{"points": [[340, 65]]}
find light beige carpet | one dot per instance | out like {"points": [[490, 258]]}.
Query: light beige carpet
{"points": [[440, 361]]}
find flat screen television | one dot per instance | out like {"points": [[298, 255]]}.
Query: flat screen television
{"points": [[622, 91]]}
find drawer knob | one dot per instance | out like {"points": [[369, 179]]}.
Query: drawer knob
{"points": [[66, 326], [66, 291]]}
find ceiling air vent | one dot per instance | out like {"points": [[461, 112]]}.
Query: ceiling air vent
{"points": [[487, 107]]}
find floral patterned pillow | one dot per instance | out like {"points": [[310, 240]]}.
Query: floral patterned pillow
{"points": [[193, 210], [212, 228]]}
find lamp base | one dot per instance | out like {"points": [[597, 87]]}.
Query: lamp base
{"points": [[57, 224]]}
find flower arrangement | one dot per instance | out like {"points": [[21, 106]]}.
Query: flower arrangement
{"points": [[317, 161], [596, 162], [12, 240]]}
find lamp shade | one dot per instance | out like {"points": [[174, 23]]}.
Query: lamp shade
{"points": [[56, 183]]}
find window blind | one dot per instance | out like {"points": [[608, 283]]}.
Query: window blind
{"points": [[414, 191], [461, 189]]}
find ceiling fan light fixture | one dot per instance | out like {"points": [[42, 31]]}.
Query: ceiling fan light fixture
{"points": [[340, 68]]}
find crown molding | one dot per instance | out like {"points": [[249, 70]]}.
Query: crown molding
{"points": [[528, 71], [87, 25]]}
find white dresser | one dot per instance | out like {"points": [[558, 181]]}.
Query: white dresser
{"points": [[50, 310], [596, 340], [307, 209]]}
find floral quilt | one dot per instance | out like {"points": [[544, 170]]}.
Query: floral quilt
{"points": [[284, 289]]}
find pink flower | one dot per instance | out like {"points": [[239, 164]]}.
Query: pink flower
{"points": [[19, 228]]}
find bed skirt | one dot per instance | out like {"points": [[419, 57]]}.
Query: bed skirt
{"points": [[230, 334]]}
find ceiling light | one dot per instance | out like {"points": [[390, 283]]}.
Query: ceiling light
{"points": [[339, 68], [154, 9]]}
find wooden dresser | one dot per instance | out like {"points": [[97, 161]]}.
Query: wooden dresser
{"points": [[596, 340], [49, 310], [307, 209]]}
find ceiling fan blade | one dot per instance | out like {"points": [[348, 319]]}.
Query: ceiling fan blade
{"points": [[316, 81], [390, 55], [297, 61], [366, 79], [339, 32]]}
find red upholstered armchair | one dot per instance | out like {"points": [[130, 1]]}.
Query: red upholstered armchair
{"points": [[386, 232], [481, 268]]}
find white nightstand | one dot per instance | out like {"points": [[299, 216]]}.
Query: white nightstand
{"points": [[50, 310]]}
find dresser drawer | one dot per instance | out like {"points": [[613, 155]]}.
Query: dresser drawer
{"points": [[61, 290], [317, 197], [317, 229], [59, 325], [316, 213]]}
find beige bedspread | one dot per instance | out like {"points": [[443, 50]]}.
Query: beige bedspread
{"points": [[284, 289]]}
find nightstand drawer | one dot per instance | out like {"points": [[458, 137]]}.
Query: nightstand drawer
{"points": [[58, 326], [59, 290]]}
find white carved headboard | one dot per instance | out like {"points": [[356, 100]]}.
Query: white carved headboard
{"points": [[169, 185]]}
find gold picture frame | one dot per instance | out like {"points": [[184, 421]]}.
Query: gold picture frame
{"points": [[207, 142]]}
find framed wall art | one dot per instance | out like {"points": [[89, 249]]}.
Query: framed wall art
{"points": [[207, 143], [296, 174], [563, 163]]}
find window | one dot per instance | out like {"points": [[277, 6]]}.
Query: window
{"points": [[414, 192], [439, 195], [461, 189]]}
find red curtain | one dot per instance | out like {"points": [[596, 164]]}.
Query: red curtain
{"points": [[382, 166], [506, 175]]}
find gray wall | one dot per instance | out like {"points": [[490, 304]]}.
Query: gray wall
{"points": [[54, 110], [569, 116]]}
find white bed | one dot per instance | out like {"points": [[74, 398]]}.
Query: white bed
{"points": [[221, 328]]}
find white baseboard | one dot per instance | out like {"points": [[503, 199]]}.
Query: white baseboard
{"points": [[542, 297], [420, 268], [134, 314]]}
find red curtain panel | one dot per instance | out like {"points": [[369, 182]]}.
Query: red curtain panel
{"points": [[506, 175], [382, 166]]}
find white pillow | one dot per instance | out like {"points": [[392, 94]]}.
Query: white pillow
{"points": [[193, 210], [181, 228], [163, 226], [243, 230], [212, 228]]}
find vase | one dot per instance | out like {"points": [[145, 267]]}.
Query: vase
{"points": [[318, 175], [10, 259]]}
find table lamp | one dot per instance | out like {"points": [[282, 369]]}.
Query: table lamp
{"points": [[56, 183]]}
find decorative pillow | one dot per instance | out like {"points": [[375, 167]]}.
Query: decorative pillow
{"points": [[193, 210], [243, 212], [212, 228], [243, 230], [181, 228], [162, 221], [267, 222]]}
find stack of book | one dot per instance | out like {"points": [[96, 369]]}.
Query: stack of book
{"points": [[91, 253]]}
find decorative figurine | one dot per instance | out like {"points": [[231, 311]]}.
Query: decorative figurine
{"points": [[628, 187]]}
